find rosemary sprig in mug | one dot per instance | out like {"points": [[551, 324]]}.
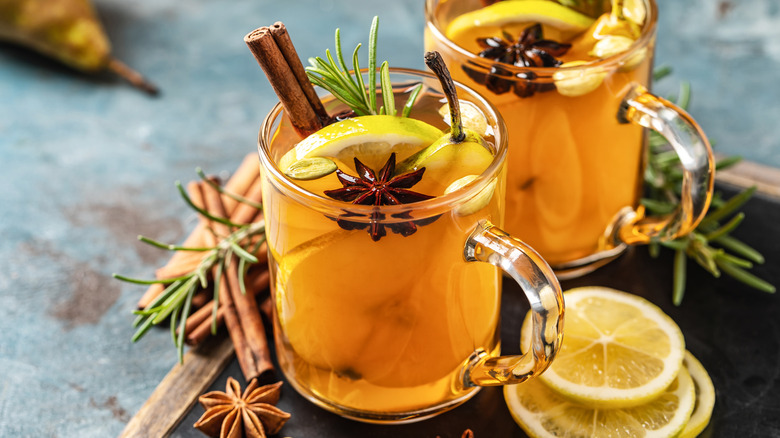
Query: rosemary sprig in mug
{"points": [[711, 244]]}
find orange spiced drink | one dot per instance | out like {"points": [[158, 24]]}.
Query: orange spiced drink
{"points": [[377, 310], [571, 85], [374, 224]]}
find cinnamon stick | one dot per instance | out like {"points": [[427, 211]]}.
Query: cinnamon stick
{"points": [[200, 298], [258, 280], [282, 39], [249, 321], [176, 267], [198, 325], [242, 179], [246, 359], [304, 115], [267, 307], [181, 262], [152, 292], [240, 213], [245, 213]]}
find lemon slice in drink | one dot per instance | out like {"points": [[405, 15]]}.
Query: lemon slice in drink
{"points": [[619, 350], [371, 138], [543, 413], [558, 22], [705, 397]]}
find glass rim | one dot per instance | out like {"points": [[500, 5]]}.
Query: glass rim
{"points": [[614, 61], [430, 207]]}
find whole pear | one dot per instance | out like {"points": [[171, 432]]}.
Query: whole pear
{"points": [[68, 31]]}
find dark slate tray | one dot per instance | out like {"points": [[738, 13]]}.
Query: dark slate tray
{"points": [[732, 329]]}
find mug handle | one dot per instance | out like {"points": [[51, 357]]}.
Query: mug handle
{"points": [[488, 243], [692, 147]]}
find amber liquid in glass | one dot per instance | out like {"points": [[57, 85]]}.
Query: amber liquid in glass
{"points": [[571, 165], [381, 326]]}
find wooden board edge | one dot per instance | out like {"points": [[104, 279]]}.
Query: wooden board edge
{"points": [[748, 173], [179, 390]]}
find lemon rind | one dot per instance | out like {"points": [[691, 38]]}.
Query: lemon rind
{"points": [[705, 398]]}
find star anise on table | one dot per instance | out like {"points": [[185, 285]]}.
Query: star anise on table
{"points": [[233, 414], [529, 50], [379, 188]]}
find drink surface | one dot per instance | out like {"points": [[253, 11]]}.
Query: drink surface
{"points": [[381, 326], [571, 165]]}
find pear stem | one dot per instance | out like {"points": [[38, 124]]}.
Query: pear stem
{"points": [[435, 62], [133, 77]]}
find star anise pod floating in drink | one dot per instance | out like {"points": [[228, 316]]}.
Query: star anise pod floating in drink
{"points": [[233, 414], [529, 50], [379, 188]]}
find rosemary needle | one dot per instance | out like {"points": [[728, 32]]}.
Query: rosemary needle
{"points": [[333, 75], [709, 242]]}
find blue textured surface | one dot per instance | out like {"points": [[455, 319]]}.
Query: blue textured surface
{"points": [[89, 163]]}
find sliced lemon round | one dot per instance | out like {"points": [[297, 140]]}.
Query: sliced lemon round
{"points": [[558, 22], [619, 350], [705, 397], [543, 413], [371, 138]]}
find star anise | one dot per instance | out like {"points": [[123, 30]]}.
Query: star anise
{"points": [[233, 414], [529, 50], [379, 188]]}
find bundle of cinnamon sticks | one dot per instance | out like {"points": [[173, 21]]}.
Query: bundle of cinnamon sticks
{"points": [[240, 312]]}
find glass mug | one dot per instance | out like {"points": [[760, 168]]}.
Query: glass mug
{"points": [[577, 155], [405, 327]]}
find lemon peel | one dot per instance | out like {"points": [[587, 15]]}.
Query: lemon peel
{"points": [[372, 138], [705, 397]]}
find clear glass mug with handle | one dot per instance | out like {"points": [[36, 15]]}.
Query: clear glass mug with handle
{"points": [[577, 147], [380, 324]]}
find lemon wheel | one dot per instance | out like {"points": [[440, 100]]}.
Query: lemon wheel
{"points": [[543, 413], [619, 350], [705, 397], [372, 138]]}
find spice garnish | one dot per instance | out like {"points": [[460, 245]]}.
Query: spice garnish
{"points": [[173, 294], [334, 76], [529, 50], [253, 412], [378, 188]]}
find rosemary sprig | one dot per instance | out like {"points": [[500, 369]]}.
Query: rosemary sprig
{"points": [[709, 242], [333, 76], [175, 301]]}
